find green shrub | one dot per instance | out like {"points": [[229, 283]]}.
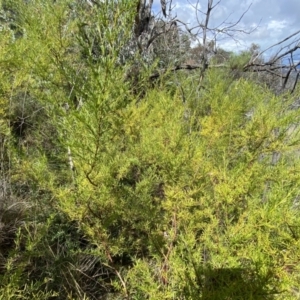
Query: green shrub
{"points": [[186, 202]]}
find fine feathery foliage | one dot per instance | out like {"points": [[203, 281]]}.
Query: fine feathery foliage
{"points": [[117, 189], [198, 205]]}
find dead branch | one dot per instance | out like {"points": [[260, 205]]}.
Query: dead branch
{"points": [[289, 46], [277, 44], [183, 67]]}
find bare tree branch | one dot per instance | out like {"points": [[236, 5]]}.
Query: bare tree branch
{"points": [[277, 44], [183, 67], [289, 47]]}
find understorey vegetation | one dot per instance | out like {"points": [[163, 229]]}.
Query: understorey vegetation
{"points": [[135, 166]]}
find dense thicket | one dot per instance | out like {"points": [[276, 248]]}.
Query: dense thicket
{"points": [[117, 187]]}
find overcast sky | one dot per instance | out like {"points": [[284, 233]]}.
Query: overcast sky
{"points": [[274, 19]]}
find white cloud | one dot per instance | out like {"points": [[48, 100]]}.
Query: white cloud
{"points": [[277, 25]]}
